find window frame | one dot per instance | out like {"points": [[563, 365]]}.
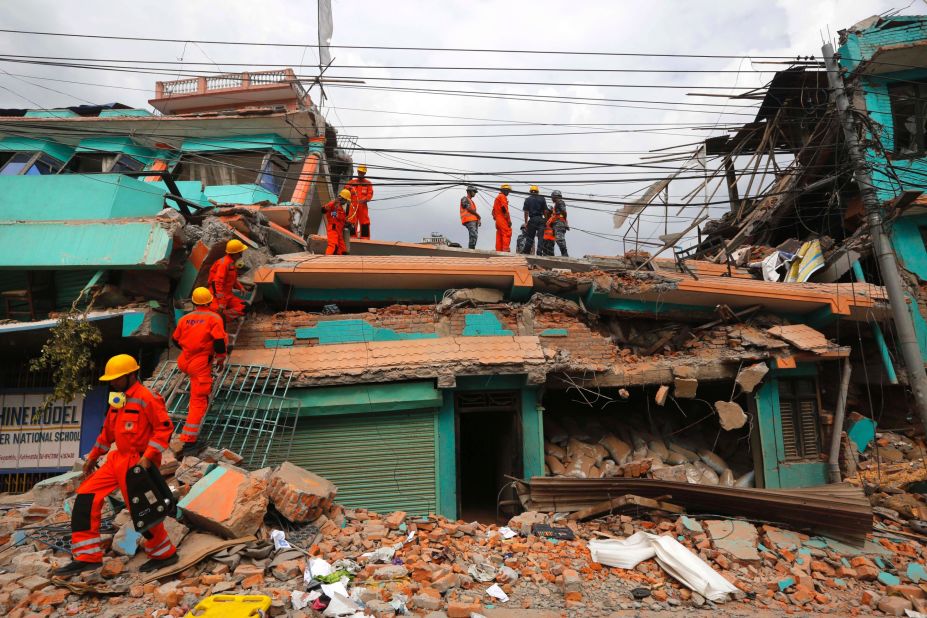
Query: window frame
{"points": [[33, 158], [793, 400], [272, 172], [105, 168], [920, 115]]}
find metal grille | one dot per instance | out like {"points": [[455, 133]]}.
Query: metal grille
{"points": [[347, 143], [21, 482], [58, 536], [249, 412], [487, 401]]}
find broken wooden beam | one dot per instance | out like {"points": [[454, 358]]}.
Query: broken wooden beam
{"points": [[623, 504]]}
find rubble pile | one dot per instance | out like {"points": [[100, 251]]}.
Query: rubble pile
{"points": [[278, 532], [594, 450]]}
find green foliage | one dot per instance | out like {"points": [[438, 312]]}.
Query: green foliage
{"points": [[68, 353]]}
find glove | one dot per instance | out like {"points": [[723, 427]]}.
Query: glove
{"points": [[89, 466]]}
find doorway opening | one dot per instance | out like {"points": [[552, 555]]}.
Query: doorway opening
{"points": [[488, 452]]}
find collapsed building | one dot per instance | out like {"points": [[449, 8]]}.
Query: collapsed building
{"points": [[119, 213], [416, 377]]}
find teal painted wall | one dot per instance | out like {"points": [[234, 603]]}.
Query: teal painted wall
{"points": [[28, 144], [132, 322], [76, 197], [532, 429], [239, 194], [484, 324], [124, 113], [120, 144], [776, 471], [354, 331], [909, 244], [893, 176], [447, 457], [50, 113], [367, 398], [189, 189], [244, 142], [892, 31], [81, 246]]}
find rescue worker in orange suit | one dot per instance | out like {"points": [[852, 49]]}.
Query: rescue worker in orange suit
{"points": [[547, 244], [361, 192], [335, 219], [223, 281], [201, 337], [137, 423], [469, 218], [500, 214]]}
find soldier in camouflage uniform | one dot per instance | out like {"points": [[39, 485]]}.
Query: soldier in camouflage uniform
{"points": [[559, 223]]}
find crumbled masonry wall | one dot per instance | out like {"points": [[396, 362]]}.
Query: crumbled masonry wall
{"points": [[581, 347]]}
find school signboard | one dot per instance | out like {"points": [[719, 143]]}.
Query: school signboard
{"points": [[32, 436]]}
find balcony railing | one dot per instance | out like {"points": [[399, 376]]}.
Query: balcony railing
{"points": [[226, 81]]}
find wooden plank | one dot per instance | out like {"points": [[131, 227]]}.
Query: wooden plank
{"points": [[195, 548], [623, 504]]}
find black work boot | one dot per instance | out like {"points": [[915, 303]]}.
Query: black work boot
{"points": [[155, 565], [76, 567]]}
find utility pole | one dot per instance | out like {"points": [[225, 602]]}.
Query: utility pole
{"points": [[885, 254]]}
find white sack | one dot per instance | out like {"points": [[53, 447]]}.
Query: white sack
{"points": [[670, 554]]}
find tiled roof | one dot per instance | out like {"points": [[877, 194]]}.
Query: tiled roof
{"points": [[413, 356], [384, 271]]}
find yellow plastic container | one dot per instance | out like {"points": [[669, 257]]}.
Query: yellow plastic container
{"points": [[231, 606]]}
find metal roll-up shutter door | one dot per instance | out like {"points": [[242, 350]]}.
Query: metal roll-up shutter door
{"points": [[382, 462]]}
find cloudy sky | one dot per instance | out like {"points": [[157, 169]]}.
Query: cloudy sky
{"points": [[586, 130]]}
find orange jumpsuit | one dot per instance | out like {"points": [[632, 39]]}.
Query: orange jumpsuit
{"points": [[335, 218], [500, 213], [200, 335], [140, 428], [223, 281], [361, 192], [549, 237]]}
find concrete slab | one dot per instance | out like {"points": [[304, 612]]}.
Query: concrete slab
{"points": [[691, 525], [738, 538], [782, 539]]}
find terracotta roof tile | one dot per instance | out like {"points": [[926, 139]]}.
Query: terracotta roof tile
{"points": [[412, 356]]}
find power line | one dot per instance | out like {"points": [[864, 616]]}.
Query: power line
{"points": [[382, 47]]}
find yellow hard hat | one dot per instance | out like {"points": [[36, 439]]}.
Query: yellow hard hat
{"points": [[362, 168], [202, 296], [534, 189], [346, 194], [118, 366], [506, 186], [235, 246]]}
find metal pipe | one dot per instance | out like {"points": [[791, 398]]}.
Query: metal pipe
{"points": [[833, 460], [888, 264], [877, 333]]}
